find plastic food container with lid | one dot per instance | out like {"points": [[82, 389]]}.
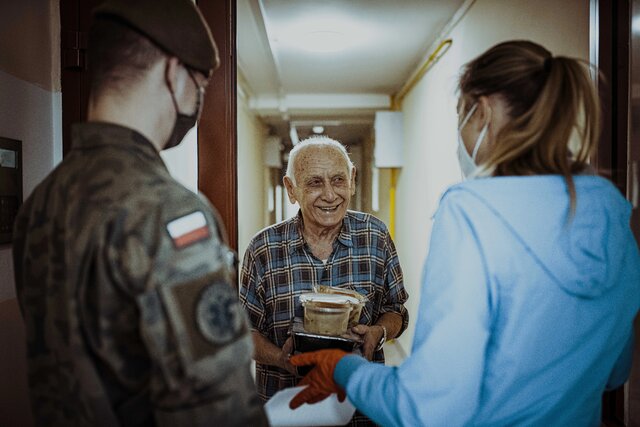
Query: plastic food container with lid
{"points": [[358, 301], [326, 314]]}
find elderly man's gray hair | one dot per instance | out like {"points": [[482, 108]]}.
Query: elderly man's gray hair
{"points": [[315, 141]]}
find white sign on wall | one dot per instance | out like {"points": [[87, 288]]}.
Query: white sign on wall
{"points": [[389, 132]]}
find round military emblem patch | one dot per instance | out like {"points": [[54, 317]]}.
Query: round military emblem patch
{"points": [[218, 313]]}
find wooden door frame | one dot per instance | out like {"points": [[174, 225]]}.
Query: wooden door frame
{"points": [[613, 50], [217, 133], [613, 47], [75, 19]]}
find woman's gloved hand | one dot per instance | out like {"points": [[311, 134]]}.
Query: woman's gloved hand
{"points": [[320, 380]]}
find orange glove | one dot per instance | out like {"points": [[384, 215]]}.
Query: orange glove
{"points": [[319, 381]]}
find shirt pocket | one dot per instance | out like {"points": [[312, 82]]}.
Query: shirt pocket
{"points": [[369, 312]]}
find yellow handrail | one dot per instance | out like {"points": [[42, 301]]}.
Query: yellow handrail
{"points": [[396, 99]]}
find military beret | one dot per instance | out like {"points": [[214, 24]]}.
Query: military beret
{"points": [[176, 26]]}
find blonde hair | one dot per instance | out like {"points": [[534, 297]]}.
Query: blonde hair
{"points": [[315, 141], [550, 99]]}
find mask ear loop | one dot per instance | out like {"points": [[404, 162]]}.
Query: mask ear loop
{"points": [[483, 133], [200, 90], [168, 83], [468, 116]]}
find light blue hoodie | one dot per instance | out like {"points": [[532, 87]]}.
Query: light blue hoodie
{"points": [[525, 315]]}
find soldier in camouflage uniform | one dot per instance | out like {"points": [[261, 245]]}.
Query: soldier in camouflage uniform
{"points": [[123, 276]]}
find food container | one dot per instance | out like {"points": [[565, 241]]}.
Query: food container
{"points": [[357, 301], [304, 341], [325, 313]]}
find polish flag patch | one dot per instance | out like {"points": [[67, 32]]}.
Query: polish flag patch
{"points": [[189, 229]]}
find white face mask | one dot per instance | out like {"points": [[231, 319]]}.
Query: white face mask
{"points": [[467, 162]]}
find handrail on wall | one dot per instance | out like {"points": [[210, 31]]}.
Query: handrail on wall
{"points": [[396, 99]]}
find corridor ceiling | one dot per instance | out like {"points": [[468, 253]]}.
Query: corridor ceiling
{"points": [[332, 62]]}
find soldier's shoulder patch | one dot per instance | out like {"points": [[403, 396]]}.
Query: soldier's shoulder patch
{"points": [[218, 314], [188, 229]]}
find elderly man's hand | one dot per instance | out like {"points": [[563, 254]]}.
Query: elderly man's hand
{"points": [[320, 380], [285, 359], [371, 335]]}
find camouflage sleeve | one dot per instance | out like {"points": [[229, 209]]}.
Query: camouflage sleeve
{"points": [[194, 330]]}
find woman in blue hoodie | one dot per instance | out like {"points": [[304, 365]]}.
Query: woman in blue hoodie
{"points": [[533, 276]]}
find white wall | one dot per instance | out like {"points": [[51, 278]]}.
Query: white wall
{"points": [[182, 160], [252, 185], [430, 117], [30, 100], [31, 115]]}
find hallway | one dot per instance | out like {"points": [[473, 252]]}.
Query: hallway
{"points": [[284, 91]]}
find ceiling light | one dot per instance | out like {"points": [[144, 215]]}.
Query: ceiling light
{"points": [[317, 129], [329, 33]]}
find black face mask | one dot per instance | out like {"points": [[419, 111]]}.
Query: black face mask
{"points": [[184, 122]]}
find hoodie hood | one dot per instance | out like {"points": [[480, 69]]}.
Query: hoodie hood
{"points": [[583, 253]]}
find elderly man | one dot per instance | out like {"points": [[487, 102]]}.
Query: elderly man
{"points": [[122, 274], [324, 244]]}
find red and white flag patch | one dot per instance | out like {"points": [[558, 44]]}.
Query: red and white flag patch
{"points": [[189, 229]]}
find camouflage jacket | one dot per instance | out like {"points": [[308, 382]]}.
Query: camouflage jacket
{"points": [[128, 295]]}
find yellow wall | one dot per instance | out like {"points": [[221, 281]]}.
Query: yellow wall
{"points": [[384, 187], [430, 117], [251, 175]]}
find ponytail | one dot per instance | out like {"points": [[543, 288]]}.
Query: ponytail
{"points": [[553, 105]]}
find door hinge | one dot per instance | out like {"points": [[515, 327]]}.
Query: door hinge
{"points": [[74, 50]]}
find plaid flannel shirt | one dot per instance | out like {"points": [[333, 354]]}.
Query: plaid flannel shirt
{"points": [[278, 266]]}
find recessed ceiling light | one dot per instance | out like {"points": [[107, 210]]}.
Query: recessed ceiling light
{"points": [[328, 33], [317, 129]]}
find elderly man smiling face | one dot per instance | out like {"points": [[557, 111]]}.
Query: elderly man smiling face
{"points": [[321, 179]]}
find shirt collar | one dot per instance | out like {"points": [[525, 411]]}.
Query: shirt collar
{"points": [[100, 134], [296, 240]]}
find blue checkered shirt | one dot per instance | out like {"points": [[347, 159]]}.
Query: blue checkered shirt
{"points": [[278, 266]]}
